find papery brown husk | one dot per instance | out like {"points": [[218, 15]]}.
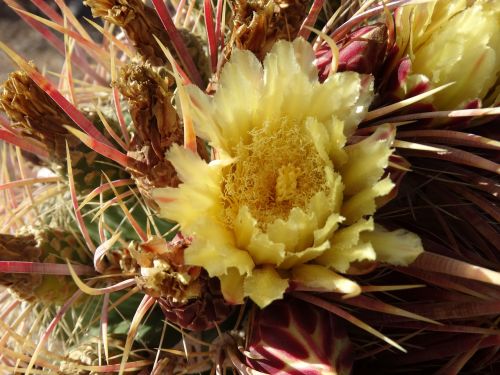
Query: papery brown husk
{"points": [[258, 24], [139, 21], [156, 126], [186, 294], [41, 245], [25, 249], [141, 24], [35, 115]]}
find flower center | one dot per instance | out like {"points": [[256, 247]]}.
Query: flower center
{"points": [[279, 169], [286, 182]]}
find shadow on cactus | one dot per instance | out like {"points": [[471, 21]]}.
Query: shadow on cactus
{"points": [[252, 187]]}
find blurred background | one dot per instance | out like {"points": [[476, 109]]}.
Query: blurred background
{"points": [[28, 42]]}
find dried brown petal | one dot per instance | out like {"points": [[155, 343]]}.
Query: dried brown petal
{"points": [[139, 21], [162, 270], [48, 245], [20, 248], [186, 294], [258, 24], [35, 114], [200, 313], [156, 126]]}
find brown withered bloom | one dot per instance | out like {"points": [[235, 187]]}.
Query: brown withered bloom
{"points": [[20, 248], [194, 45], [45, 245], [139, 21], [141, 24], [257, 24], [156, 126], [35, 114], [185, 293]]}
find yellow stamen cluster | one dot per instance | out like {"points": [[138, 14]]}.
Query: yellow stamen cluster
{"points": [[271, 174]]}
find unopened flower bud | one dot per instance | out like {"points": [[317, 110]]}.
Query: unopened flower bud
{"points": [[290, 336], [362, 51], [451, 42]]}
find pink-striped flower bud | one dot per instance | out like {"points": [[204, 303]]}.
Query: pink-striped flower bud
{"points": [[362, 51], [293, 337]]}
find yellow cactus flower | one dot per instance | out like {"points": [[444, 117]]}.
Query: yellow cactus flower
{"points": [[451, 41], [285, 199]]}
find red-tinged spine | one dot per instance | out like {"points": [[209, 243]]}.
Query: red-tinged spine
{"points": [[102, 148], [67, 107], [119, 114], [48, 11], [44, 31], [43, 268], [311, 18], [211, 35], [349, 25], [177, 41], [50, 90], [23, 143], [80, 63]]}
